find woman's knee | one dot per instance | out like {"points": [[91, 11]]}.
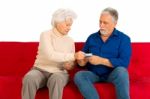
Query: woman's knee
{"points": [[58, 78], [32, 77], [28, 79]]}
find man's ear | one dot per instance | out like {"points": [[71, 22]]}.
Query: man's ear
{"points": [[115, 23]]}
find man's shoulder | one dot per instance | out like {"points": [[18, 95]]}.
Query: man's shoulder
{"points": [[122, 35], [93, 35]]}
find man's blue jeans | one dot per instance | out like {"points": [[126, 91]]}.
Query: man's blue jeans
{"points": [[119, 77]]}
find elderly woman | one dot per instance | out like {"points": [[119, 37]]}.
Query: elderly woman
{"points": [[54, 57]]}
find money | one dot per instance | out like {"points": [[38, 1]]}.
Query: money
{"points": [[88, 54]]}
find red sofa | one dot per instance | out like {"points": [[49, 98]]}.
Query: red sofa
{"points": [[16, 58]]}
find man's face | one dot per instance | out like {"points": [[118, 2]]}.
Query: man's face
{"points": [[106, 24], [64, 27]]}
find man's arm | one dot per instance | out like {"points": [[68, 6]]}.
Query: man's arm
{"points": [[82, 62], [96, 60], [124, 54]]}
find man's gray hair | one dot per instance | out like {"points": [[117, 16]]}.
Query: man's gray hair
{"points": [[61, 15], [113, 12]]}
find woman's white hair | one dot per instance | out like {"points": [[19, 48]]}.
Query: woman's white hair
{"points": [[61, 15]]}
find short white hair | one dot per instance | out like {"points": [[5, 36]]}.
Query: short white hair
{"points": [[61, 15]]}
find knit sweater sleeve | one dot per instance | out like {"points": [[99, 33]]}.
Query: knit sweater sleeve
{"points": [[49, 52]]}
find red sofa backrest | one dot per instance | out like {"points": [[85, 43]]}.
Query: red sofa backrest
{"points": [[139, 67], [16, 58]]}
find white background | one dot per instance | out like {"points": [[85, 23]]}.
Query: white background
{"points": [[24, 20]]}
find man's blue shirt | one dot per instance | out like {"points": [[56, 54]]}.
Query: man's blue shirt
{"points": [[117, 49]]}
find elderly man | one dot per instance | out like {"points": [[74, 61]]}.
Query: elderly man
{"points": [[54, 57], [109, 52]]}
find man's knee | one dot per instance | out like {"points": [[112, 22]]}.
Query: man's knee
{"points": [[79, 76], [121, 70], [121, 73]]}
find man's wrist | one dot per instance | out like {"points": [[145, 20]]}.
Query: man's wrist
{"points": [[102, 60]]}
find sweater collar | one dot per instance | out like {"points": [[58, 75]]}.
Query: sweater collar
{"points": [[57, 33]]}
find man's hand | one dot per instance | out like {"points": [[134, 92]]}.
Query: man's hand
{"points": [[79, 55], [95, 60], [68, 65]]}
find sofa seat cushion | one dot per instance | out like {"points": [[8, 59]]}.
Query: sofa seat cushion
{"points": [[139, 90], [10, 87], [70, 92], [106, 90]]}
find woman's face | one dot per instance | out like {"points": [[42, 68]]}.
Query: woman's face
{"points": [[64, 27]]}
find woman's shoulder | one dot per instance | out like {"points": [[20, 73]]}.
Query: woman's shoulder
{"points": [[70, 39]]}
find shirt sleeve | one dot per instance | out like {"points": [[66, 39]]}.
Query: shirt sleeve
{"points": [[85, 48], [124, 54], [51, 54]]}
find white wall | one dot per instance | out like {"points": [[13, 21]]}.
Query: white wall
{"points": [[24, 20]]}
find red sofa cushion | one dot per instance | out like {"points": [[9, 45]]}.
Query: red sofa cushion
{"points": [[139, 65], [16, 59]]}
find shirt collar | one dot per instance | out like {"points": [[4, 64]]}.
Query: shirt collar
{"points": [[115, 33]]}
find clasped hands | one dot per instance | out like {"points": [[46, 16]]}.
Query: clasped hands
{"points": [[80, 56], [68, 65]]}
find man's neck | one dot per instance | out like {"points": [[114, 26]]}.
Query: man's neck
{"points": [[104, 38]]}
